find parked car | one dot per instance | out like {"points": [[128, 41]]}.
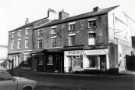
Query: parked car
{"points": [[9, 82]]}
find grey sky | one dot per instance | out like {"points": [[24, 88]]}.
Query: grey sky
{"points": [[14, 12]]}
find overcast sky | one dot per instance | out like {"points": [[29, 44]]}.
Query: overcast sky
{"points": [[14, 12]]}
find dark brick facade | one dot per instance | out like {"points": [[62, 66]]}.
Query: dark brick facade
{"points": [[49, 39]]}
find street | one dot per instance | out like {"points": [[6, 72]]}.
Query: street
{"points": [[83, 82]]}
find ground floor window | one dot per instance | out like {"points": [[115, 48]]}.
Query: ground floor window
{"points": [[50, 60], [27, 61], [93, 61]]}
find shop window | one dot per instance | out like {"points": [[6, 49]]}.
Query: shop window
{"points": [[40, 62], [91, 38], [71, 40], [92, 24], [93, 62], [26, 59], [50, 60]]}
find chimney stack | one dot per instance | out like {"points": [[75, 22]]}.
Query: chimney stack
{"points": [[27, 21], [63, 15], [95, 9]]}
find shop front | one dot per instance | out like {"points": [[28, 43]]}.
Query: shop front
{"points": [[80, 60], [48, 61]]}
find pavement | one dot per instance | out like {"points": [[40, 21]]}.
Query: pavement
{"points": [[128, 72]]}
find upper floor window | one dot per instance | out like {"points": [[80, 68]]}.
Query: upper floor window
{"points": [[39, 32], [72, 26], [27, 31], [92, 23], [11, 35], [53, 36], [40, 43], [19, 43], [71, 40], [19, 33], [12, 44], [54, 42], [26, 43], [91, 38]]}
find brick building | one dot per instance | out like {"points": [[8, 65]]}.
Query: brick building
{"points": [[97, 40]]}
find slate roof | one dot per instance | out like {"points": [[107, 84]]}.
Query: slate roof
{"points": [[78, 17], [44, 22], [36, 23]]}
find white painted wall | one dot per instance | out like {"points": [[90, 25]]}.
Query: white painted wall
{"points": [[120, 32], [119, 27], [3, 53]]}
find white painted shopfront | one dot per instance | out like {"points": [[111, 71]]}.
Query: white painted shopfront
{"points": [[79, 60]]}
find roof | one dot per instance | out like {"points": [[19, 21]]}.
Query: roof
{"points": [[31, 24], [78, 17]]}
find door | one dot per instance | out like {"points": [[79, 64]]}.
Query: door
{"points": [[7, 82]]}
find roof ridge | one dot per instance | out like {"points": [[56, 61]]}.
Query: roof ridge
{"points": [[83, 15]]}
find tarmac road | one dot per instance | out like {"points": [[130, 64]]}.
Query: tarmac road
{"points": [[82, 82]]}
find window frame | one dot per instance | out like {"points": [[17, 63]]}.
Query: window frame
{"points": [[92, 20], [27, 31], [70, 40], [71, 26], [19, 33], [92, 36], [26, 43], [40, 43], [19, 44]]}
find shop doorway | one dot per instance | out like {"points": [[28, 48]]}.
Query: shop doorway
{"points": [[75, 63], [102, 62], [55, 62]]}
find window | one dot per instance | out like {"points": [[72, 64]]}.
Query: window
{"points": [[91, 38], [93, 61], [26, 56], [40, 43], [54, 43], [92, 23], [19, 33], [50, 60], [72, 26], [71, 40], [53, 37], [27, 31], [76, 62], [19, 44], [39, 33], [12, 44], [11, 35], [26, 43]]}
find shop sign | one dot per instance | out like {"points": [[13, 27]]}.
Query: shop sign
{"points": [[76, 52]]}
